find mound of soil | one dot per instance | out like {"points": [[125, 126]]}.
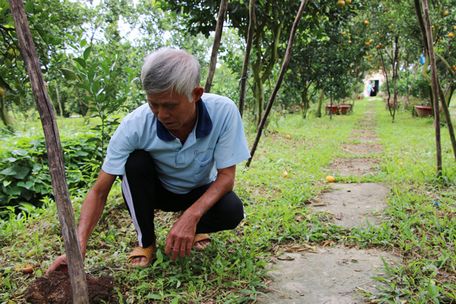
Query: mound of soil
{"points": [[55, 288]]}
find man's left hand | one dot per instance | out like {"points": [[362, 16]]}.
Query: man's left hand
{"points": [[179, 242]]}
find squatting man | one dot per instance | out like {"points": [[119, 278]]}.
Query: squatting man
{"points": [[177, 152]]}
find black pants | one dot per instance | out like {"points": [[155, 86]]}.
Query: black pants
{"points": [[143, 193]]}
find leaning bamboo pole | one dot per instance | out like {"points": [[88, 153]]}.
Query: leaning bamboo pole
{"points": [[283, 69], [216, 44], [55, 155], [248, 48], [435, 85]]}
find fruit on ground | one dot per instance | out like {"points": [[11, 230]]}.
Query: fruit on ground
{"points": [[330, 179]]}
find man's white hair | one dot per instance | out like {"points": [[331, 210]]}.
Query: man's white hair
{"points": [[170, 69]]}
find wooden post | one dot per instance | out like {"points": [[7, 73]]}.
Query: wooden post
{"points": [[248, 48], [55, 156], [435, 85], [216, 45], [283, 69]]}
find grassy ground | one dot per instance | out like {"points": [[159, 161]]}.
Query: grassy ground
{"points": [[288, 170]]}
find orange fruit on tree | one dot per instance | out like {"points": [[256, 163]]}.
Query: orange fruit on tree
{"points": [[340, 3], [366, 22], [445, 13], [450, 35]]}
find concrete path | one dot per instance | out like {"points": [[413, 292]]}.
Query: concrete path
{"points": [[338, 275]]}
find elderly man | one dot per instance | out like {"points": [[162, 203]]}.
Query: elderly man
{"points": [[176, 153]]}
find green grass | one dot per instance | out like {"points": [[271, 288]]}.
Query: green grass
{"points": [[420, 223]]}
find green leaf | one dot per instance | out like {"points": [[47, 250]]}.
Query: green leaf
{"points": [[19, 152], [16, 171], [69, 74], [87, 52], [80, 61]]}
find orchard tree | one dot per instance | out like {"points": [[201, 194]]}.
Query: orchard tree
{"points": [[328, 54], [54, 24], [273, 22]]}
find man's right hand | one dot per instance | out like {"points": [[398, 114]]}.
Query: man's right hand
{"points": [[60, 264]]}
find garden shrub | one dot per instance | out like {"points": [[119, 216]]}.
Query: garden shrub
{"points": [[24, 171]]}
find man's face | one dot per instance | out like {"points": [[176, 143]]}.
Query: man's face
{"points": [[175, 111]]}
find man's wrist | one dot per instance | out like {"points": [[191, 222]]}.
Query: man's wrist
{"points": [[194, 213]]}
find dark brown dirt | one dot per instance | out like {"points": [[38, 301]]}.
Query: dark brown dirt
{"points": [[55, 288]]}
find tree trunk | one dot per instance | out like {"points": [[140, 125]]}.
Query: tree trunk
{"points": [[258, 92], [4, 114], [304, 101], [435, 85], [248, 48], [59, 101], [448, 119], [283, 69], [320, 103], [55, 156], [395, 75], [216, 45], [385, 72]]}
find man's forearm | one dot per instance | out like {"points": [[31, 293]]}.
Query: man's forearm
{"points": [[92, 208], [91, 211], [221, 186]]}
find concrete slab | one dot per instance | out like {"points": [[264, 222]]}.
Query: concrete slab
{"points": [[330, 276], [354, 204]]}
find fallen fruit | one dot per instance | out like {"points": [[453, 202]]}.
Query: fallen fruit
{"points": [[330, 179], [285, 174], [288, 136], [25, 269]]}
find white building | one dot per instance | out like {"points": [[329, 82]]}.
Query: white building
{"points": [[372, 83]]}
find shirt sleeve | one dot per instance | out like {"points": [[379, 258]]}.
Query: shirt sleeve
{"points": [[231, 147], [119, 148]]}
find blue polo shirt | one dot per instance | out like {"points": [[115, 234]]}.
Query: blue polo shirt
{"points": [[217, 141]]}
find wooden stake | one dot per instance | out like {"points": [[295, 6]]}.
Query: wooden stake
{"points": [[216, 45], [283, 69], [248, 48], [55, 156], [435, 85]]}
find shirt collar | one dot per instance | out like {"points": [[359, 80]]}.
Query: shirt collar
{"points": [[203, 125]]}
